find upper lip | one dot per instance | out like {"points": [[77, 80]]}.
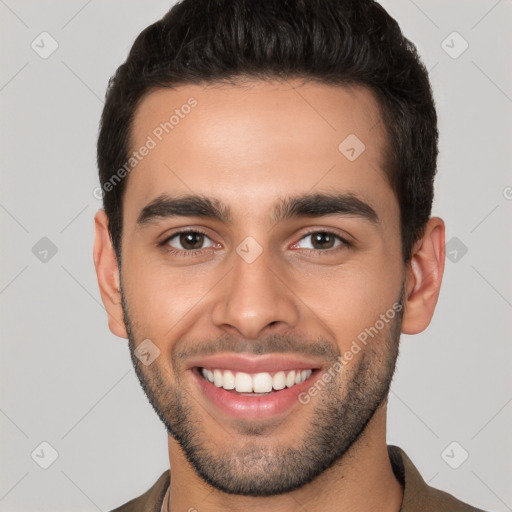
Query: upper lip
{"points": [[254, 364]]}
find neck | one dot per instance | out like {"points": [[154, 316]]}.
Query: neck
{"points": [[363, 480]]}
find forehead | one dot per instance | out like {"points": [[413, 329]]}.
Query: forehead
{"points": [[248, 144]]}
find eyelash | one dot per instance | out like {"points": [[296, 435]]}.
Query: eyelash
{"points": [[198, 252]]}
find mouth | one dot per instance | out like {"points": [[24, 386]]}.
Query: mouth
{"points": [[256, 384], [254, 395]]}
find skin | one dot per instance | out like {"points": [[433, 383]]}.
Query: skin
{"points": [[248, 146]]}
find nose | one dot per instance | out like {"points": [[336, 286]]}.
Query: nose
{"points": [[253, 297]]}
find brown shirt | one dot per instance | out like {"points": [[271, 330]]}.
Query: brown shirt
{"points": [[418, 496]]}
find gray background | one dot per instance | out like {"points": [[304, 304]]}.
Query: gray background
{"points": [[66, 380]]}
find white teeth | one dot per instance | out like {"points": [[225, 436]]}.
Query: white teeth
{"points": [[208, 375], [229, 380], [290, 379], [217, 378], [261, 382], [279, 381], [243, 382]]}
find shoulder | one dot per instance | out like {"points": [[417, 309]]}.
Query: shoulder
{"points": [[151, 500], [419, 496]]}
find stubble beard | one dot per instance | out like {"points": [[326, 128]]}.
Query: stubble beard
{"points": [[247, 465]]}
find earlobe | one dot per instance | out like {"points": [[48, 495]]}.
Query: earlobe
{"points": [[107, 273], [424, 276]]}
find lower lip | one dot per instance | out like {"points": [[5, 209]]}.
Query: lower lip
{"points": [[249, 407]]}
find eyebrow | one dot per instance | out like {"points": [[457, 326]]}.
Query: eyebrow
{"points": [[305, 205]]}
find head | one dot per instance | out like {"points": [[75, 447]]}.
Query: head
{"points": [[296, 143]]}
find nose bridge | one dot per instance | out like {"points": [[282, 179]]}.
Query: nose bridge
{"points": [[253, 296]]}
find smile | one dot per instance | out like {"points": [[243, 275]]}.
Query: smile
{"points": [[257, 383]]}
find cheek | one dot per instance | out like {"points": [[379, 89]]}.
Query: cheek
{"points": [[160, 296], [351, 300]]}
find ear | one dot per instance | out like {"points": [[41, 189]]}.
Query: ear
{"points": [[107, 272], [423, 278]]}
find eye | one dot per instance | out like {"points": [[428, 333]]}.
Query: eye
{"points": [[191, 242], [186, 241], [323, 241]]}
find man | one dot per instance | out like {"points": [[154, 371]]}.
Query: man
{"points": [[267, 170]]}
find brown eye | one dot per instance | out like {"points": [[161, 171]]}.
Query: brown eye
{"points": [[191, 240], [323, 241], [187, 241]]}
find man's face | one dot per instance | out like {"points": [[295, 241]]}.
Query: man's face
{"points": [[260, 292]]}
